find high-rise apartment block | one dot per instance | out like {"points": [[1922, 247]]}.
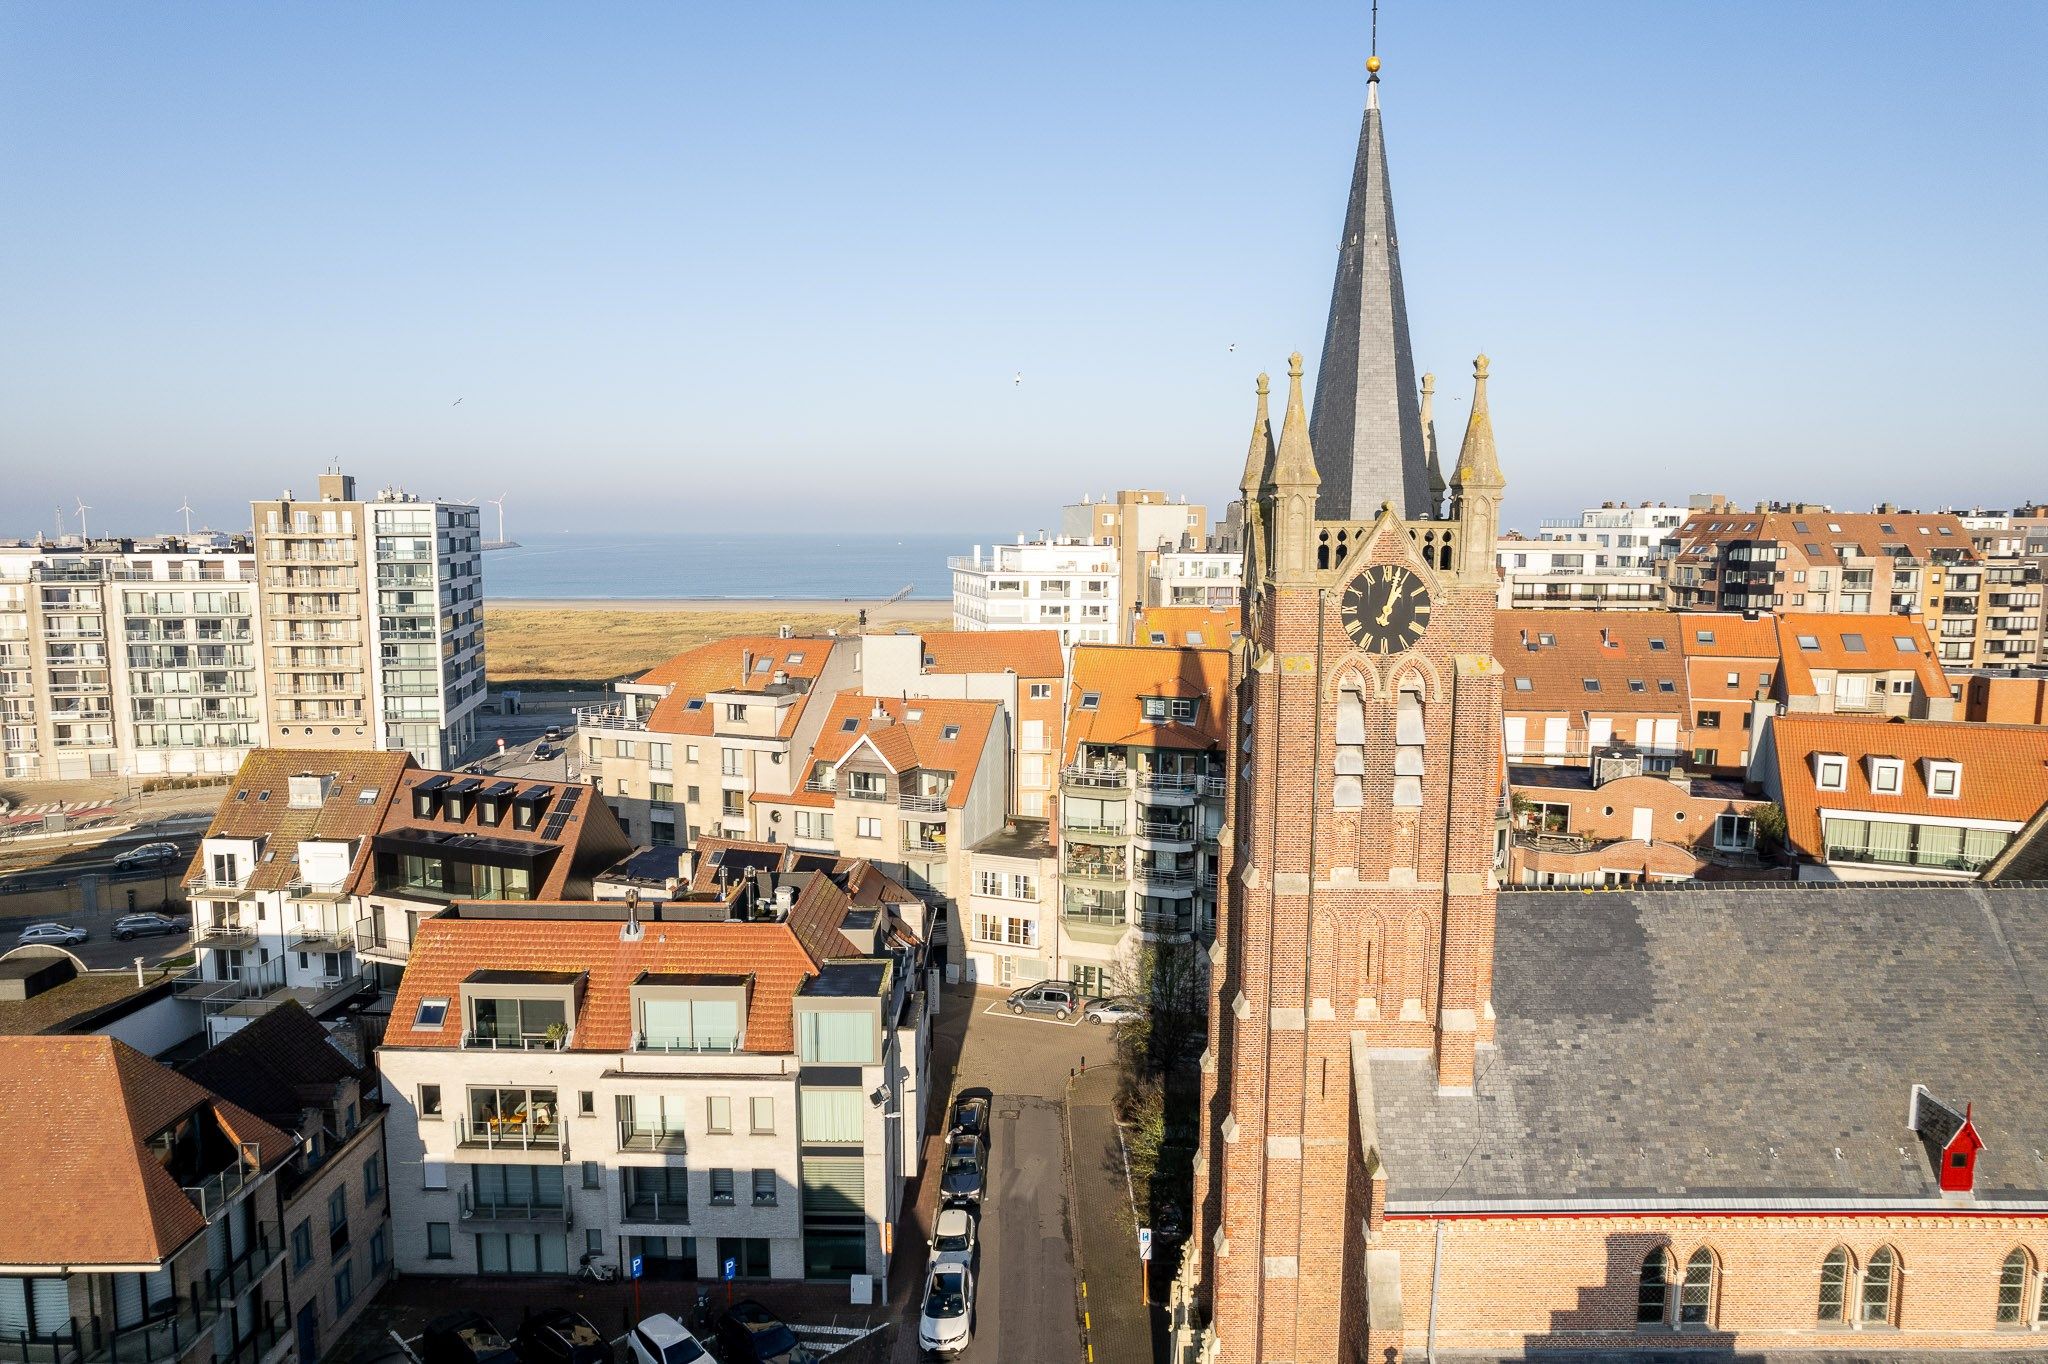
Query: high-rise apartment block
{"points": [[373, 621]]}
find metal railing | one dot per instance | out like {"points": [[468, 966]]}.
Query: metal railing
{"points": [[1152, 921], [1175, 830], [477, 1209], [507, 1134], [1103, 778], [820, 784], [479, 1041], [1170, 782], [1164, 876], [267, 1331], [636, 1136], [607, 717], [1908, 857], [1096, 871], [713, 1044], [252, 1264], [213, 1193], [913, 844], [1095, 830], [922, 804], [654, 1207], [876, 793]]}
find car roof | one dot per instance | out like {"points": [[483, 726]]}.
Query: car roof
{"points": [[664, 1329], [953, 1222]]}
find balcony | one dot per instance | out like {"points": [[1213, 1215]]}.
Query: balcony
{"points": [[1166, 830], [217, 993], [268, 1330], [1094, 924], [608, 717], [1160, 925], [856, 791], [1906, 857], [212, 1194], [475, 1208], [924, 844], [638, 1136], [1096, 778], [252, 1264], [1164, 876], [1075, 828], [515, 1133], [548, 1041], [654, 1207], [703, 1044], [1091, 870], [1170, 787], [226, 936], [930, 805]]}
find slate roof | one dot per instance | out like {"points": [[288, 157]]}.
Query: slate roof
{"points": [[588, 835], [276, 1066], [257, 804], [79, 1183], [2005, 769], [1120, 674], [1737, 1044]]}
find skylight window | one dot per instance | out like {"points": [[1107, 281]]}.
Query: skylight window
{"points": [[1834, 527], [1802, 528], [849, 724], [695, 703], [1853, 643], [432, 1014], [1159, 637], [950, 732], [1906, 644], [1703, 636], [793, 660], [1591, 683], [1091, 700], [1945, 530], [1666, 684], [1810, 643], [764, 665], [368, 796], [1546, 639], [1524, 684], [1637, 684], [912, 716], [1656, 645]]}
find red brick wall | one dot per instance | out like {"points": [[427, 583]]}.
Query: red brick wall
{"points": [[1607, 813]]}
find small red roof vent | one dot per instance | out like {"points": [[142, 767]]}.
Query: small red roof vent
{"points": [[1950, 1139]]}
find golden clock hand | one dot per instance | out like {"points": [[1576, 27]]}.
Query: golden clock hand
{"points": [[1386, 615]]}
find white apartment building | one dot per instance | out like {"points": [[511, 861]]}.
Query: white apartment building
{"points": [[1010, 912], [372, 621], [1196, 577], [130, 659], [1073, 586], [657, 1081], [1605, 558]]}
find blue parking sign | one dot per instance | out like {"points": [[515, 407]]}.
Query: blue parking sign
{"points": [[636, 1266], [732, 1269]]}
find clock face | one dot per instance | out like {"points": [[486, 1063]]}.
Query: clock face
{"points": [[1386, 609]]}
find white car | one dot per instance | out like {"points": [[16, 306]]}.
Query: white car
{"points": [[661, 1339], [953, 1235], [945, 1324], [1113, 1010]]}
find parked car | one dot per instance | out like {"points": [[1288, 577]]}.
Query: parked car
{"points": [[1113, 1010], [1054, 997], [62, 935], [148, 855], [555, 1335], [953, 1235], [970, 1115], [966, 1171], [148, 925], [946, 1322], [551, 733], [543, 753], [661, 1339], [465, 1338], [749, 1333], [1168, 1223]]}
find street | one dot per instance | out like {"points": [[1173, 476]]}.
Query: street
{"points": [[1024, 1286]]}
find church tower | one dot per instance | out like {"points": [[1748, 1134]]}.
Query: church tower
{"points": [[1357, 913]]}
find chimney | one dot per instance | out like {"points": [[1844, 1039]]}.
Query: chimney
{"points": [[631, 931], [336, 487]]}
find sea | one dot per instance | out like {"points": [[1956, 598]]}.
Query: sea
{"points": [[763, 566]]}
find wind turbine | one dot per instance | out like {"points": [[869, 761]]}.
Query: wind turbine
{"points": [[186, 507], [82, 510], [499, 503]]}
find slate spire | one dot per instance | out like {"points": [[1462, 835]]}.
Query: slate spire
{"points": [[1367, 431]]}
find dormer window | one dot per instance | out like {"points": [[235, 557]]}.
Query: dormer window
{"points": [[689, 1013], [1091, 700], [1887, 776], [1830, 771], [1154, 708], [1944, 778], [1184, 712], [735, 712]]}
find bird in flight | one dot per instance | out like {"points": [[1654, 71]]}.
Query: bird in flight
{"points": [[1233, 345], [456, 403], [1019, 380]]}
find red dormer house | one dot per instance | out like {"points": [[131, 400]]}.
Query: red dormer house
{"points": [[1950, 1138]]}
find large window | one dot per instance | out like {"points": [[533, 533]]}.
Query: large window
{"points": [[514, 1117], [1944, 847], [517, 1022], [522, 1253], [499, 1189], [689, 1024], [1876, 1301], [832, 1115], [1834, 1285], [1653, 1289], [836, 1038], [1696, 1294]]}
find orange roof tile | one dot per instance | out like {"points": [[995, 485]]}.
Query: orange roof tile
{"points": [[448, 947], [2005, 769], [1829, 536], [257, 804], [1807, 641], [913, 735], [1633, 658], [1119, 676], [731, 664], [1188, 627], [1027, 653], [1725, 634], [79, 1182], [591, 829]]}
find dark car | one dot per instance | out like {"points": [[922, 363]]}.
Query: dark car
{"points": [[555, 1335], [966, 1171], [465, 1338], [970, 1115], [148, 925], [149, 856], [749, 1333], [1054, 997], [543, 753]]}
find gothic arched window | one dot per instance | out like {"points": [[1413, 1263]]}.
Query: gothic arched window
{"points": [[1348, 791], [1879, 1298], [1834, 1285], [1653, 1289], [1696, 1294], [1408, 737], [2013, 1278]]}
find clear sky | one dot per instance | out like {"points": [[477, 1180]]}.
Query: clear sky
{"points": [[760, 266]]}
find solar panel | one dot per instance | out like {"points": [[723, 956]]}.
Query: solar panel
{"points": [[500, 788]]}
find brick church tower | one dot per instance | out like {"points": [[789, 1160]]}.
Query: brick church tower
{"points": [[1365, 779]]}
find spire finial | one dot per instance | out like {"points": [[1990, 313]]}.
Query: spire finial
{"points": [[1294, 464], [1258, 460], [1294, 365], [1478, 466]]}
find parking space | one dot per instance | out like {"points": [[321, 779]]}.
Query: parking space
{"points": [[999, 1009]]}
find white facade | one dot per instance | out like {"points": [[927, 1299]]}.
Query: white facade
{"points": [[1604, 558], [1072, 586], [1196, 577], [429, 630]]}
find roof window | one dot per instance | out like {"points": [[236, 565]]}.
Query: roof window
{"points": [[431, 1014], [1656, 644], [1906, 644], [1546, 639], [1590, 683], [1802, 528], [694, 703], [1810, 643], [368, 796], [849, 724], [1853, 643], [1834, 527], [764, 665], [1666, 684], [1091, 700], [793, 660], [1637, 684], [950, 732], [1703, 636], [1944, 530], [1159, 636], [1524, 684]]}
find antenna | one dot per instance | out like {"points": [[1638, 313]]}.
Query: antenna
{"points": [[82, 510], [186, 507], [1375, 29]]}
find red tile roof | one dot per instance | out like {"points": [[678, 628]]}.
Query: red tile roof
{"points": [[79, 1182], [732, 664], [1889, 644], [1828, 536], [448, 947], [1634, 659], [1724, 634], [257, 804], [1187, 627], [1119, 676], [912, 735], [2005, 769], [1027, 653]]}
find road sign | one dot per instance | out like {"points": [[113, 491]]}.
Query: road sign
{"points": [[732, 1269], [636, 1266], [1145, 1243]]}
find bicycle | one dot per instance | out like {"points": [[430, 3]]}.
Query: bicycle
{"points": [[590, 1269]]}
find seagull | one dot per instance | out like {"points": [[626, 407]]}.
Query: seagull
{"points": [[456, 403], [1019, 380], [1233, 345]]}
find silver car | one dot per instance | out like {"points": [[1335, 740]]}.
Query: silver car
{"points": [[59, 935], [1115, 1010]]}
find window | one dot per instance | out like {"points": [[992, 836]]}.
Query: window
{"points": [[344, 1286], [1090, 700], [373, 1177], [2013, 1277], [1831, 773], [718, 1113], [433, 1174], [1524, 684], [586, 1103], [1809, 643], [380, 1252], [988, 883], [593, 1241], [1153, 707], [691, 753], [764, 1188], [1408, 739], [337, 1219], [729, 762], [622, 748], [522, 1253], [431, 1015], [1734, 833], [593, 1175], [1853, 643], [849, 724], [430, 1101], [1041, 691], [1906, 644], [831, 1115], [1874, 1303], [1023, 887], [1590, 683], [949, 732], [1665, 684], [1184, 712], [302, 1244], [1834, 1286], [721, 1188], [1696, 1294], [868, 827], [829, 1038], [1944, 779], [1707, 719], [1886, 776], [440, 1245], [735, 712], [1653, 1289], [660, 755], [1348, 789]]}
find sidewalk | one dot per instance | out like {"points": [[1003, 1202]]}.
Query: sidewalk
{"points": [[1120, 1324]]}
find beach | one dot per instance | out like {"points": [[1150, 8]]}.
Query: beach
{"points": [[597, 640]]}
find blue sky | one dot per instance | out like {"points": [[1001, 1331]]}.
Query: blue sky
{"points": [[775, 266]]}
